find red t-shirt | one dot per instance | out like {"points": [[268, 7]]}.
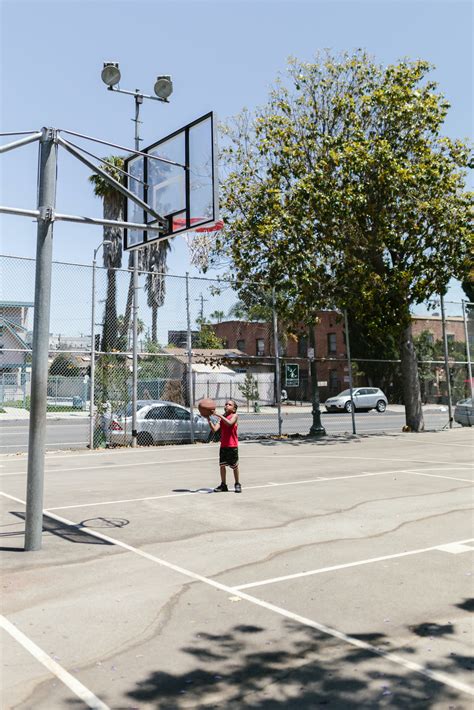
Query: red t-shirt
{"points": [[229, 434]]}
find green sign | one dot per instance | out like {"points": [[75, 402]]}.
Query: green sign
{"points": [[292, 375]]}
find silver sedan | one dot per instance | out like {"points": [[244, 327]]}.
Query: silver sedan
{"points": [[158, 422]]}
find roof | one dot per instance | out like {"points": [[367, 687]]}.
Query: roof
{"points": [[181, 354], [11, 304], [222, 369]]}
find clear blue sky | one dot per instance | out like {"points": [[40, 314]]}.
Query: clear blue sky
{"points": [[222, 56]]}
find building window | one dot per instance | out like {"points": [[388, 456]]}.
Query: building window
{"points": [[260, 346], [303, 346], [430, 338], [332, 343], [450, 337], [241, 345], [333, 381]]}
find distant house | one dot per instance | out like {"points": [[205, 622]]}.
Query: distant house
{"points": [[13, 346]]}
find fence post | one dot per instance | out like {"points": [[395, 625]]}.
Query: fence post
{"points": [[277, 361], [349, 361], [468, 349], [446, 362], [190, 359]]}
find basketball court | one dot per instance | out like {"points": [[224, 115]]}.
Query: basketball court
{"points": [[341, 576]]}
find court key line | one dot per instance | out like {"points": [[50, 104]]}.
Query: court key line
{"points": [[187, 493], [270, 484], [369, 561], [91, 700], [437, 676]]}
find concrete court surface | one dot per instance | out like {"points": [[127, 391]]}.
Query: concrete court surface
{"points": [[340, 577]]}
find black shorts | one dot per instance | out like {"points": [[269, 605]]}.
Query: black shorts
{"points": [[229, 456]]}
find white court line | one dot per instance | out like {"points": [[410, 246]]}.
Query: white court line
{"points": [[266, 457], [102, 467], [69, 681], [247, 488], [437, 676], [369, 561], [448, 478]]}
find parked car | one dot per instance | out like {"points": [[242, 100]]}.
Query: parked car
{"points": [[464, 412], [365, 398], [158, 422]]}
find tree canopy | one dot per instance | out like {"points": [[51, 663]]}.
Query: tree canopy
{"points": [[342, 191]]}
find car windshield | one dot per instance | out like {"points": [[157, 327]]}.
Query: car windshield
{"points": [[345, 393], [127, 410]]}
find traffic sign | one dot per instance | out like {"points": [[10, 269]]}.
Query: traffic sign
{"points": [[292, 375]]}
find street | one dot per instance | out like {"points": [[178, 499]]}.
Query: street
{"points": [[73, 433]]}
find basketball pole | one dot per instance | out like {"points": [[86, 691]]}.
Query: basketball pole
{"points": [[47, 175]]}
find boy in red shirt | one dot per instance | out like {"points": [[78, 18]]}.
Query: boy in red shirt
{"points": [[229, 451]]}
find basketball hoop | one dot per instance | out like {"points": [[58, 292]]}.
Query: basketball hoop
{"points": [[200, 242], [180, 223]]}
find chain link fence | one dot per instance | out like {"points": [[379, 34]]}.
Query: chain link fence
{"points": [[197, 339]]}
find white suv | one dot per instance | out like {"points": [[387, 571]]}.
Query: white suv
{"points": [[364, 398]]}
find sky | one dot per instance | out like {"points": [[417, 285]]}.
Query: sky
{"points": [[222, 56]]}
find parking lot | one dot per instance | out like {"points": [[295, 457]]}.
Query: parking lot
{"points": [[340, 577]]}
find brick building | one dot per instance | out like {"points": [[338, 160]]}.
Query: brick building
{"points": [[256, 339], [454, 327]]}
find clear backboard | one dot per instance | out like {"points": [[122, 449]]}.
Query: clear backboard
{"points": [[181, 186]]}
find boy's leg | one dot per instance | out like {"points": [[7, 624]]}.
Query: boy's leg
{"points": [[223, 473], [236, 474]]}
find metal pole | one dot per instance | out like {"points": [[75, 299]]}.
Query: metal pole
{"points": [[22, 141], [189, 344], [277, 361], [39, 370], [92, 379], [468, 349], [138, 102], [349, 361], [317, 428], [446, 363]]}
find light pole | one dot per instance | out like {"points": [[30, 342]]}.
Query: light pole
{"points": [[92, 378], [163, 88]]}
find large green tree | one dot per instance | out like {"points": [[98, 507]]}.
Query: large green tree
{"points": [[342, 191]]}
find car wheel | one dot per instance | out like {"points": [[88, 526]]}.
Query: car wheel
{"points": [[144, 438], [380, 406], [348, 406]]}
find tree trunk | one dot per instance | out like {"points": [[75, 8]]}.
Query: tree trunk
{"points": [[154, 319], [410, 382], [128, 308], [109, 332]]}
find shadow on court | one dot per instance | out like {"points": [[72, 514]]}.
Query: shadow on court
{"points": [[70, 533], [311, 671]]}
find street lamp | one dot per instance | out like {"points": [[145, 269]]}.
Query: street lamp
{"points": [[92, 379], [163, 89]]}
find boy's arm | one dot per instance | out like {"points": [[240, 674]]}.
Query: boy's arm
{"points": [[229, 422], [215, 427]]}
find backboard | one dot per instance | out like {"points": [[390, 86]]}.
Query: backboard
{"points": [[182, 186]]}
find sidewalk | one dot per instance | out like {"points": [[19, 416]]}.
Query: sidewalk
{"points": [[16, 414]]}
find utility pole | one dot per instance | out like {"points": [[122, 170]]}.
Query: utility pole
{"points": [[203, 300]]}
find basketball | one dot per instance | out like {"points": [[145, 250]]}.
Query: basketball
{"points": [[206, 406]]}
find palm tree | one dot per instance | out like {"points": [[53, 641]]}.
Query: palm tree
{"points": [[155, 286], [113, 203]]}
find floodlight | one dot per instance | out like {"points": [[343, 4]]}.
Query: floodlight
{"points": [[110, 73], [163, 86]]}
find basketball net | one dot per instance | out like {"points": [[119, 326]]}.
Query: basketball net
{"points": [[200, 244]]}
